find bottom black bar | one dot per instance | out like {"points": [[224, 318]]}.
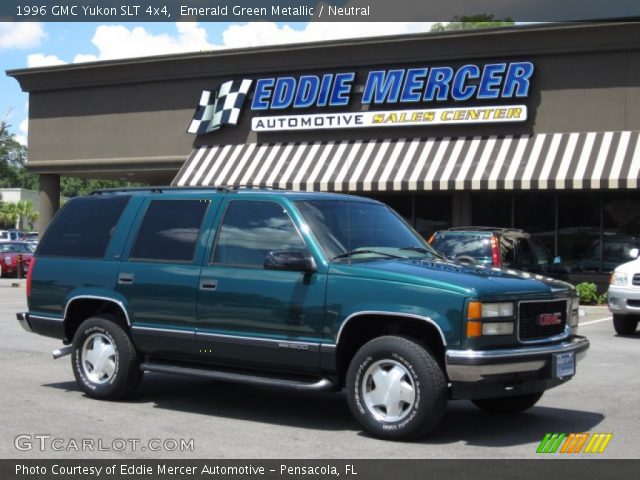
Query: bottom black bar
{"points": [[565, 468]]}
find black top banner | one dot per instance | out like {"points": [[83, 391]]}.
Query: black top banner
{"points": [[313, 10]]}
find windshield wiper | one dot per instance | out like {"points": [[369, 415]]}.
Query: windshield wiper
{"points": [[422, 250], [358, 251]]}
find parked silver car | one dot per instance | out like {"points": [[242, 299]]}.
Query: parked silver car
{"points": [[623, 296]]}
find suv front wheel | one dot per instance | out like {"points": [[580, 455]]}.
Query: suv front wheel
{"points": [[104, 360], [396, 389]]}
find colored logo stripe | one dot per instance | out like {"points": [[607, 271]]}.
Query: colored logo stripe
{"points": [[598, 443], [574, 443], [550, 443]]}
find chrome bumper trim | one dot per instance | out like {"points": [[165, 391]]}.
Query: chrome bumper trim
{"points": [[23, 320], [476, 365]]}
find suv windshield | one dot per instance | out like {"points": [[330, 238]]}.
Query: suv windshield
{"points": [[348, 228]]}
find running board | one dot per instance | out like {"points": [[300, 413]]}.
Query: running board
{"points": [[319, 385]]}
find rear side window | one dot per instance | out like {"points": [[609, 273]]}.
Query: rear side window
{"points": [[83, 227], [169, 230]]}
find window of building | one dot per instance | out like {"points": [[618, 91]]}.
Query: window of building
{"points": [[83, 227], [621, 223], [251, 229], [491, 209], [535, 213], [433, 212], [169, 230], [579, 230]]}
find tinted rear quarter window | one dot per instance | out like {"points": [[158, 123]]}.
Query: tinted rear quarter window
{"points": [[169, 230], [83, 227]]}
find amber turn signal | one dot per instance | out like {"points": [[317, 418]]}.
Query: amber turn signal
{"points": [[474, 310], [474, 328]]}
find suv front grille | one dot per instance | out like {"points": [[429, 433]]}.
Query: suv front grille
{"points": [[636, 279], [539, 320]]}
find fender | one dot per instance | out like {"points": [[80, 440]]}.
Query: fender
{"points": [[119, 302], [391, 314]]}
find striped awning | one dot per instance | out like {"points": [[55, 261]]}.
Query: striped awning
{"points": [[593, 160]]}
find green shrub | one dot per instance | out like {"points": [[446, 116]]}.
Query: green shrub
{"points": [[588, 293]]}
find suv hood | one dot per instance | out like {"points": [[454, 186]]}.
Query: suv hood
{"points": [[479, 281]]}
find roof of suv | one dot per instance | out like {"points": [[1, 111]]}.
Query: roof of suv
{"points": [[234, 189], [482, 229]]}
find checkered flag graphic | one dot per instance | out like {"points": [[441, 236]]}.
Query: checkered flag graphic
{"points": [[220, 108]]}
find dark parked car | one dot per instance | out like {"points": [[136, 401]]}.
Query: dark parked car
{"points": [[10, 255], [307, 291], [617, 250], [499, 247]]}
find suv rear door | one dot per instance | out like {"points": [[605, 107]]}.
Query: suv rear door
{"points": [[160, 270]]}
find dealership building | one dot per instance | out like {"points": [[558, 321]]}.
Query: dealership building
{"points": [[534, 127]]}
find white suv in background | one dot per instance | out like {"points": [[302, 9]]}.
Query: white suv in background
{"points": [[623, 296]]}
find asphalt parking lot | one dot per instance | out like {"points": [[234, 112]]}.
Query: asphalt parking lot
{"points": [[39, 397]]}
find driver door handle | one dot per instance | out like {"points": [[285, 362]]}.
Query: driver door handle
{"points": [[208, 284]]}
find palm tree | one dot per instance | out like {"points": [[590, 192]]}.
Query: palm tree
{"points": [[15, 214], [10, 214], [26, 211]]}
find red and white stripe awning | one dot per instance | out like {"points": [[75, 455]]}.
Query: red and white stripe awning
{"points": [[554, 161]]}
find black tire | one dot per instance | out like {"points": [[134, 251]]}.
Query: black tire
{"points": [[515, 404], [625, 324], [421, 372], [124, 361]]}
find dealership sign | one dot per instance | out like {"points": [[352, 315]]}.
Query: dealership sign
{"points": [[394, 97]]}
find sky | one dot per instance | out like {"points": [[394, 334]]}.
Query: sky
{"points": [[41, 44]]}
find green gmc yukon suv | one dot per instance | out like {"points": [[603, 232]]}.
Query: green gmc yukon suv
{"points": [[301, 290]]}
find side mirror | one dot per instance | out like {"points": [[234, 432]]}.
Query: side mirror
{"points": [[294, 261], [633, 253]]}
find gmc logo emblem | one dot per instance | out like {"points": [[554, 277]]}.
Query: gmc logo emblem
{"points": [[546, 319]]}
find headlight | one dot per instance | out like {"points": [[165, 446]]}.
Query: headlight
{"points": [[477, 311], [497, 328], [490, 310], [619, 278], [8, 260]]}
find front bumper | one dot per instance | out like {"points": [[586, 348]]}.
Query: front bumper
{"points": [[624, 300], [500, 372]]}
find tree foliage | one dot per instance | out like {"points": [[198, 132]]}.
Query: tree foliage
{"points": [[22, 214], [12, 158], [467, 22]]}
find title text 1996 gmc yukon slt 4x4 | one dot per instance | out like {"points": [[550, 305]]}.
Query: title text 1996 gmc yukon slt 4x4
{"points": [[303, 290]]}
